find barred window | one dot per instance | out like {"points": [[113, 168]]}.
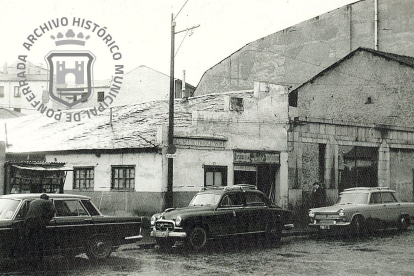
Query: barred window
{"points": [[83, 178], [101, 96], [123, 178], [17, 92]]}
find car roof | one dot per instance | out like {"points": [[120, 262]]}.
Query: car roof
{"points": [[233, 188], [368, 189], [35, 196]]}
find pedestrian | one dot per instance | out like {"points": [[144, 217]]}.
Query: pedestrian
{"points": [[40, 212], [318, 195]]}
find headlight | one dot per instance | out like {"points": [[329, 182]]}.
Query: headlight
{"points": [[178, 221], [153, 219], [341, 213], [311, 214]]}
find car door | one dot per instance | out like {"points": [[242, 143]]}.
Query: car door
{"points": [[73, 224], [254, 212], [376, 209], [227, 220], [393, 207]]}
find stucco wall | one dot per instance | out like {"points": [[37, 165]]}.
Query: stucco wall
{"points": [[295, 54], [148, 169], [402, 169], [342, 93]]}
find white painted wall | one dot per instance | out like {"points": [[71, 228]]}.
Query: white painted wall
{"points": [[148, 169]]}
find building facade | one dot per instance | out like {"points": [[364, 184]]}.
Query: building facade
{"points": [[119, 157], [295, 54], [352, 126]]}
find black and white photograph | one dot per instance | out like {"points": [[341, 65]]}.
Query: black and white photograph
{"points": [[206, 137]]}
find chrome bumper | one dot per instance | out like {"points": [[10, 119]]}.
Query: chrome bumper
{"points": [[167, 234], [137, 237], [289, 226]]}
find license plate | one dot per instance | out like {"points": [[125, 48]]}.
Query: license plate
{"points": [[161, 234], [324, 227]]}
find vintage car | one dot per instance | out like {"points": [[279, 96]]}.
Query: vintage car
{"points": [[363, 209], [78, 227], [218, 212]]}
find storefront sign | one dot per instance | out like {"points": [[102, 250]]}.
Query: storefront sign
{"points": [[199, 143], [256, 157]]}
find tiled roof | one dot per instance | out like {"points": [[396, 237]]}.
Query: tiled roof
{"points": [[133, 126]]}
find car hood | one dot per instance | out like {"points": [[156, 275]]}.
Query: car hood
{"points": [[172, 213], [335, 208]]}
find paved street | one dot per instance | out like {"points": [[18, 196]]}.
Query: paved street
{"points": [[386, 253]]}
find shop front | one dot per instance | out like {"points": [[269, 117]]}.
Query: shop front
{"points": [[259, 168]]}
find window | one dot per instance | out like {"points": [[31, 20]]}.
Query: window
{"points": [[123, 178], [69, 208], [232, 200], [215, 176], [17, 109], [17, 92], [253, 199], [388, 198], [83, 178], [85, 98], [101, 96], [1, 91], [375, 198]]}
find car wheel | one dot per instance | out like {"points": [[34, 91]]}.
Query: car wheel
{"points": [[358, 226], [99, 248], [197, 238], [403, 223]]}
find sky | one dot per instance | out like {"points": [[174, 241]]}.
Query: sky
{"points": [[142, 29]]}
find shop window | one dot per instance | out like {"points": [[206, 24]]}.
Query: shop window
{"points": [[83, 178], [17, 92], [101, 96], [123, 178], [215, 176]]}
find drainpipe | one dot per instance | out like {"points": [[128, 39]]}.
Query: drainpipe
{"points": [[376, 24]]}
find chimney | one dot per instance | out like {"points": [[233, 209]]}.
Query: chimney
{"points": [[185, 91], [5, 68]]}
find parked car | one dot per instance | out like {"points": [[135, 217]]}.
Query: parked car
{"points": [[77, 227], [218, 212], [363, 208]]}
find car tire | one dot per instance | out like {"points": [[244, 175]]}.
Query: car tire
{"points": [[197, 239], [358, 226], [100, 248], [403, 223]]}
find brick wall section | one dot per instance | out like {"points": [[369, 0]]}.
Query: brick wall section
{"points": [[294, 55]]}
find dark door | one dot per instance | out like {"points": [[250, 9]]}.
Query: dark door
{"points": [[266, 175], [73, 225]]}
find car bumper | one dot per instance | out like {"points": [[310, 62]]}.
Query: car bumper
{"points": [[168, 234], [134, 238], [329, 225], [289, 226]]}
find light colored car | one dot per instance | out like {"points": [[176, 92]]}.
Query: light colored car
{"points": [[361, 209]]}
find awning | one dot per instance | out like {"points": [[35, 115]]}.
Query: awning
{"points": [[40, 168]]}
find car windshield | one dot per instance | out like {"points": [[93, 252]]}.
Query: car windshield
{"points": [[205, 199], [8, 207], [353, 198]]}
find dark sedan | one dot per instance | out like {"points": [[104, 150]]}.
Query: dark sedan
{"points": [[218, 212], [77, 227]]}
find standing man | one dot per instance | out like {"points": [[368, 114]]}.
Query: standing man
{"points": [[40, 212]]}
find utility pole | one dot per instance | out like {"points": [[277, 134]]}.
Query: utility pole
{"points": [[171, 147], [169, 200]]}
